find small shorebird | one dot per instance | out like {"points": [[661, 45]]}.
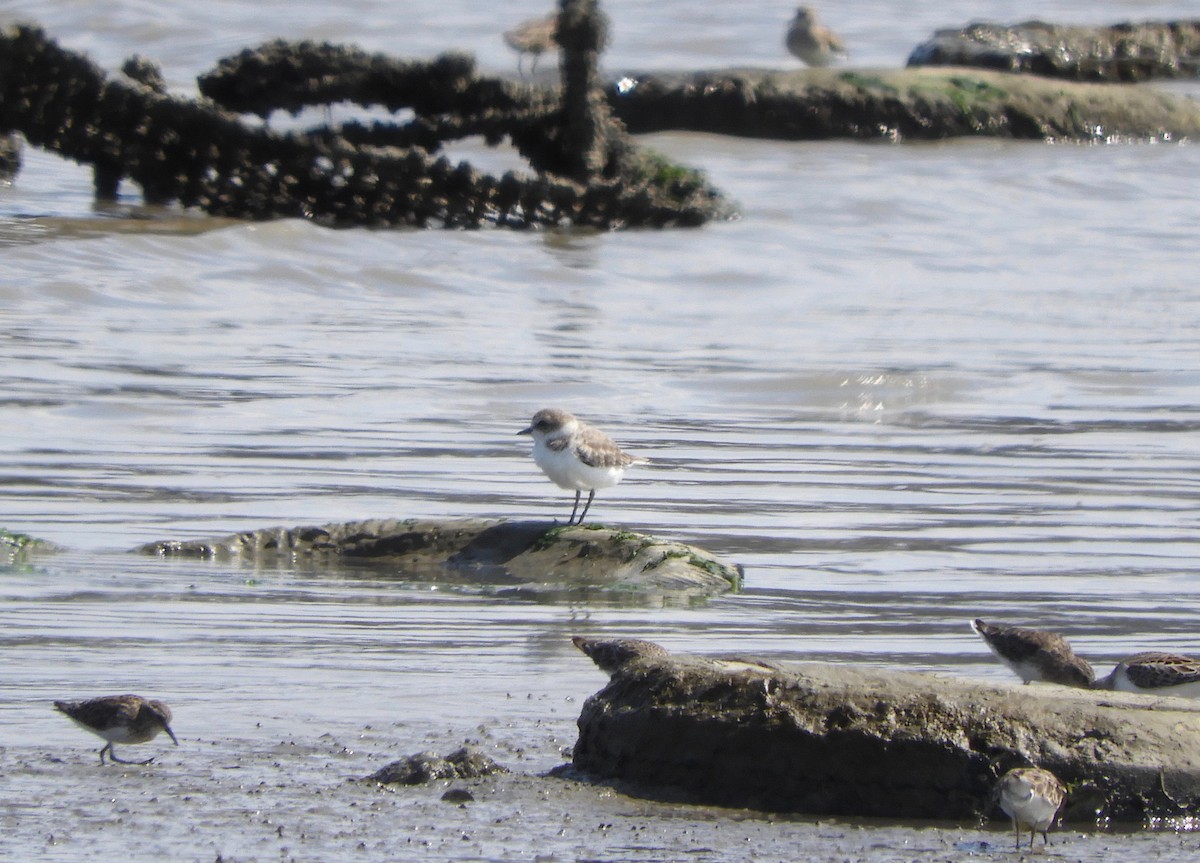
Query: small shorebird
{"points": [[811, 41], [610, 654], [535, 36], [120, 719], [1155, 674], [1035, 654], [1031, 797], [576, 456]]}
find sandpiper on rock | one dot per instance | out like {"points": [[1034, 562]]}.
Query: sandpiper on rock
{"points": [[536, 37], [1035, 654], [1155, 674], [812, 42]]}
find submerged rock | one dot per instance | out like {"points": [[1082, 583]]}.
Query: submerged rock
{"points": [[18, 546], [839, 740], [1126, 52], [465, 763], [522, 552]]}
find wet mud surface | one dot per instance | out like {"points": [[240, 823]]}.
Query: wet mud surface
{"points": [[305, 797]]}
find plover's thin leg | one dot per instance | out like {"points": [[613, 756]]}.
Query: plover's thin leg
{"points": [[587, 506], [106, 748], [571, 520]]}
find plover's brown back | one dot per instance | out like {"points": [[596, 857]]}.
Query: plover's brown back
{"points": [[1036, 654]]}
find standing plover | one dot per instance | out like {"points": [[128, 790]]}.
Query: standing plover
{"points": [[812, 42], [576, 456], [120, 719], [1035, 654], [536, 37], [1155, 674], [1031, 797]]}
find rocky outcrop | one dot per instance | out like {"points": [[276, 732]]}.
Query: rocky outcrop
{"points": [[1123, 52], [524, 553], [840, 740], [896, 105]]}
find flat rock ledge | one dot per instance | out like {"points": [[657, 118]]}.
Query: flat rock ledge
{"points": [[839, 740], [526, 552], [897, 105]]}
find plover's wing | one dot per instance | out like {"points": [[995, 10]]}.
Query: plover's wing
{"points": [[596, 449], [1158, 670], [835, 43]]}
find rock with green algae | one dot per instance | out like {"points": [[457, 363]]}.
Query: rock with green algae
{"points": [[916, 104], [520, 552]]}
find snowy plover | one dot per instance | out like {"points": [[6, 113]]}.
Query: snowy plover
{"points": [[120, 719], [1035, 654], [1031, 797], [812, 42], [536, 37], [576, 456]]}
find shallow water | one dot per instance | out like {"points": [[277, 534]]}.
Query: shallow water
{"points": [[910, 386]]}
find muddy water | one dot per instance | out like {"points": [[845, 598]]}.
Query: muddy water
{"points": [[911, 386]]}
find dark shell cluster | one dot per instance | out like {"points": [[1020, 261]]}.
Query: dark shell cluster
{"points": [[200, 153]]}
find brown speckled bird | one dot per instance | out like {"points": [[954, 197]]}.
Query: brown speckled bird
{"points": [[1035, 654], [1155, 674], [120, 719], [1031, 797], [611, 654]]}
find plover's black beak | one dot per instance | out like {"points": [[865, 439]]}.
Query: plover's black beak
{"points": [[171, 734], [526, 431]]}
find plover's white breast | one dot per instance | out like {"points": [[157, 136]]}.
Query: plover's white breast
{"points": [[566, 470]]}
